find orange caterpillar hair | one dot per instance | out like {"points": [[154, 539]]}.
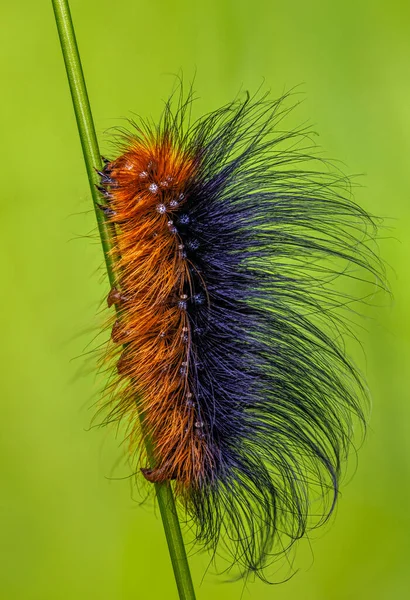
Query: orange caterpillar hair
{"points": [[150, 181]]}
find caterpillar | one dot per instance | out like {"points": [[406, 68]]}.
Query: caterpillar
{"points": [[229, 336]]}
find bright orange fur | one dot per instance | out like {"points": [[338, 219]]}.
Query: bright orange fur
{"points": [[152, 325]]}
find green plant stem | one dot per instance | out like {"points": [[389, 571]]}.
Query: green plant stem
{"points": [[92, 160]]}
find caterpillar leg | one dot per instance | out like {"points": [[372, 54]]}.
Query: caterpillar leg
{"points": [[157, 475]]}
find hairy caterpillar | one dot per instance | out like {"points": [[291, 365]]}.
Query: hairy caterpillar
{"points": [[228, 337]]}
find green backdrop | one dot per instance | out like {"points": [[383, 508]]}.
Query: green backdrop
{"points": [[68, 529]]}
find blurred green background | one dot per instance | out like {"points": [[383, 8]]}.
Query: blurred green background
{"points": [[67, 529]]}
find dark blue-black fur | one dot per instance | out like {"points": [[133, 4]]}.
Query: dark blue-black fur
{"points": [[270, 234]]}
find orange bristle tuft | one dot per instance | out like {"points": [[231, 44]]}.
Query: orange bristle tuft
{"points": [[154, 331]]}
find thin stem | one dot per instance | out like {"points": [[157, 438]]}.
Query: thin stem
{"points": [[92, 160]]}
